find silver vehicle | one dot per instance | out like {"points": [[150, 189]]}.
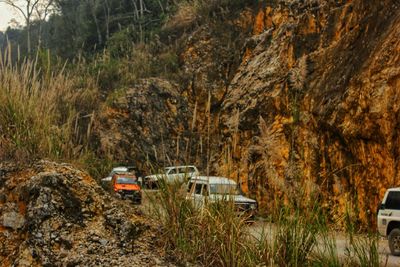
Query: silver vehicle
{"points": [[389, 219], [210, 189], [173, 173]]}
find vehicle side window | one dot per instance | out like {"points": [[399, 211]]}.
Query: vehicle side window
{"points": [[198, 189], [181, 170], [393, 201], [205, 190], [172, 171], [190, 186]]}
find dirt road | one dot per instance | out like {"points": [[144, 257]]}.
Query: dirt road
{"points": [[260, 228]]}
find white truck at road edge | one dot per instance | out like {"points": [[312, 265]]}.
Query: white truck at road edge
{"points": [[389, 219]]}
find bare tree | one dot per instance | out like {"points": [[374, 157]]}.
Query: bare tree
{"points": [[139, 10], [93, 5], [107, 11], [42, 10], [26, 8]]}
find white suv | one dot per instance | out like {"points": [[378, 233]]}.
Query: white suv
{"points": [[212, 189], [171, 174], [389, 219]]}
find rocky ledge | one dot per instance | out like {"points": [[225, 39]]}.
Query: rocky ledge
{"points": [[53, 214]]}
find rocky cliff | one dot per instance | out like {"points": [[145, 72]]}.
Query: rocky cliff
{"points": [[315, 102], [279, 95], [147, 123], [55, 215]]}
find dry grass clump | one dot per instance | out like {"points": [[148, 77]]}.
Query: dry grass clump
{"points": [[298, 74], [190, 12], [41, 115], [184, 17], [212, 236]]}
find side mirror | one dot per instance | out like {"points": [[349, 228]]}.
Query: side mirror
{"points": [[381, 206]]}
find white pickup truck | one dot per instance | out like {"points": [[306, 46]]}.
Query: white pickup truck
{"points": [[171, 174]]}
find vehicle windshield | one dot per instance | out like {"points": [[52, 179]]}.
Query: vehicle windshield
{"points": [[186, 170], [224, 189], [116, 171], [125, 180]]}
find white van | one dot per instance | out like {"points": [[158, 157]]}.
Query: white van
{"points": [[212, 189]]}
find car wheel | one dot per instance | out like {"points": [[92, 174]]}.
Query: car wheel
{"points": [[394, 242]]}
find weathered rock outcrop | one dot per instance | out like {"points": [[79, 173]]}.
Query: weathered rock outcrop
{"points": [[211, 56], [316, 102], [147, 122], [54, 215]]}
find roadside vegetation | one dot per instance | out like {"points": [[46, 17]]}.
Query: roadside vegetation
{"points": [[216, 236]]}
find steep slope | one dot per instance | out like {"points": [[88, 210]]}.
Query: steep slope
{"points": [[54, 215], [315, 102]]}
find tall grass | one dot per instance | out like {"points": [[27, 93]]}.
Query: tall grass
{"points": [[41, 114], [212, 236], [215, 235], [295, 237], [362, 250]]}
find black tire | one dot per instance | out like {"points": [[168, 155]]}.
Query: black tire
{"points": [[394, 242]]}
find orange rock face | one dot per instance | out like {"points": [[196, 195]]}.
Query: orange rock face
{"points": [[317, 100]]}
